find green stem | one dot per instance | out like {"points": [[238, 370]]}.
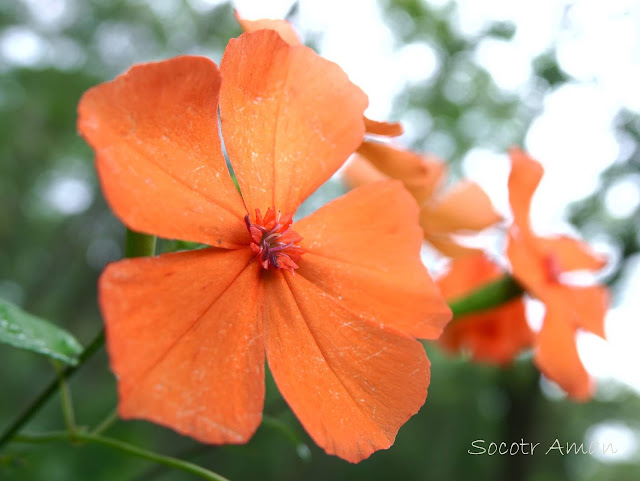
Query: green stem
{"points": [[137, 245], [125, 448], [487, 297], [35, 406], [65, 400], [157, 470], [106, 422]]}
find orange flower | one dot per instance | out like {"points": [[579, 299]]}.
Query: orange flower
{"points": [[496, 335], [289, 35], [538, 264], [464, 209], [335, 300]]}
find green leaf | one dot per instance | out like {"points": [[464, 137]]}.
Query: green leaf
{"points": [[25, 331]]}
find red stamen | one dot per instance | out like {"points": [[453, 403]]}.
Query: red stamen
{"points": [[273, 241]]}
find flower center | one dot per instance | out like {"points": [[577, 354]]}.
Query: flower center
{"points": [[552, 267], [273, 241]]}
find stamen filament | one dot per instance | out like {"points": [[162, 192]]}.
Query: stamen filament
{"points": [[266, 234]]}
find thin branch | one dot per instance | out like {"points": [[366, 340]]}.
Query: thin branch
{"points": [[106, 423], [122, 447], [65, 400], [41, 400]]}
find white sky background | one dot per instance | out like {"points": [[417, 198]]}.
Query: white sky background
{"points": [[598, 44]]}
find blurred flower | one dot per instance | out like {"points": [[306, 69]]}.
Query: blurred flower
{"points": [[284, 28], [462, 210], [496, 335], [538, 264], [335, 300]]}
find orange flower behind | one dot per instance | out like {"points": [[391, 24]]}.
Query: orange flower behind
{"points": [[284, 28], [496, 335], [462, 210], [333, 307], [538, 264]]}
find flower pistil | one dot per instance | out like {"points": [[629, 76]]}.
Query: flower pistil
{"points": [[274, 243]]}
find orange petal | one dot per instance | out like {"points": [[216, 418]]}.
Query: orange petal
{"points": [[351, 383], [155, 134], [572, 254], [386, 129], [591, 304], [495, 336], [527, 262], [363, 250], [289, 119], [446, 244], [184, 336], [466, 207], [588, 305], [284, 28], [359, 171], [421, 174], [528, 257], [525, 176], [466, 275], [557, 355]]}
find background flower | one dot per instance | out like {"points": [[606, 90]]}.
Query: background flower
{"points": [[539, 263], [445, 214], [496, 335]]}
